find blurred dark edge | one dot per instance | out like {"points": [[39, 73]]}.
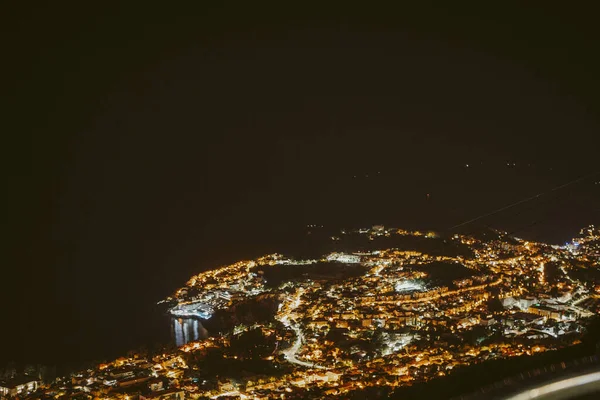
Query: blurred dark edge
{"points": [[525, 381]]}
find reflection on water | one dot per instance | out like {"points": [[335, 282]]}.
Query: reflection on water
{"points": [[187, 330]]}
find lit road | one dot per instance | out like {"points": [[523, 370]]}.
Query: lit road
{"points": [[284, 317], [290, 354]]}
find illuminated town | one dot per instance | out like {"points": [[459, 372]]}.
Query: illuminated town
{"points": [[401, 307]]}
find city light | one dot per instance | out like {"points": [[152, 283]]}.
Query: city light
{"points": [[378, 317]]}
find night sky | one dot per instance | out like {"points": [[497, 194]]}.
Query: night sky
{"points": [[147, 144]]}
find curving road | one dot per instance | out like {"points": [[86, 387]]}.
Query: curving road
{"points": [[290, 353], [284, 317]]}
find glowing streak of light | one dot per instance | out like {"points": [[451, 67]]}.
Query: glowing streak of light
{"points": [[555, 387]]}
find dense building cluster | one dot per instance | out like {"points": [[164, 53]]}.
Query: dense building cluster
{"points": [[385, 316]]}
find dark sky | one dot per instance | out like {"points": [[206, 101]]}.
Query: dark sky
{"points": [[146, 144]]}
